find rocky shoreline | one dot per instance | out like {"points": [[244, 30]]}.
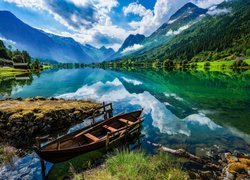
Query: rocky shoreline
{"points": [[21, 121]]}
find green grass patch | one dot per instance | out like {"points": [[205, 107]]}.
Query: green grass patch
{"points": [[47, 67], [221, 65], [247, 61], [136, 166]]}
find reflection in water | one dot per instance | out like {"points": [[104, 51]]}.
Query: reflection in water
{"points": [[163, 119], [14, 84], [193, 110], [27, 167]]}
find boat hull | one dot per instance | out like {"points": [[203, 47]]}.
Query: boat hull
{"points": [[57, 156]]}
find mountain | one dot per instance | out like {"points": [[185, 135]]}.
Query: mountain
{"points": [[189, 10], [98, 55], [107, 52], [183, 17], [222, 32], [186, 16], [129, 42], [43, 45]]}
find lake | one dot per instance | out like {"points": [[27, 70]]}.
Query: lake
{"points": [[203, 112]]}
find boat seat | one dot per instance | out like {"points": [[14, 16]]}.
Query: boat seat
{"points": [[58, 145], [109, 128], [126, 121], [92, 137]]}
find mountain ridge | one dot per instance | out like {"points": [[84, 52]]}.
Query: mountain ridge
{"points": [[44, 45], [179, 21], [220, 34]]}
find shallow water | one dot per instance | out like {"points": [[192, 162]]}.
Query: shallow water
{"points": [[199, 111]]}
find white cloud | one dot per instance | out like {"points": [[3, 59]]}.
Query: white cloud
{"points": [[178, 31], [8, 41], [80, 2], [172, 21], [152, 19], [207, 3], [162, 118], [132, 48], [215, 11], [132, 81], [38, 4], [202, 120], [81, 27], [115, 92], [163, 10], [173, 95], [135, 8], [91, 18]]}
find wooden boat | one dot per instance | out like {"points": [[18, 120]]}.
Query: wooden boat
{"points": [[90, 138]]}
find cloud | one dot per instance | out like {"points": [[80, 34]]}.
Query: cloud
{"points": [[152, 19], [202, 120], [132, 81], [135, 8], [90, 19], [72, 16], [214, 11], [178, 31], [207, 3], [85, 19], [162, 118], [37, 4], [115, 92], [8, 41], [132, 48], [162, 11]]}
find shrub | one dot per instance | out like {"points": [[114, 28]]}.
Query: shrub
{"points": [[207, 64]]}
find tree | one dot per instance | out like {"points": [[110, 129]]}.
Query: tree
{"points": [[207, 64], [2, 45], [26, 57], [3, 53], [18, 58], [248, 52], [36, 65]]}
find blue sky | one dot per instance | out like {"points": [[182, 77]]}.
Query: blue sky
{"points": [[97, 22]]}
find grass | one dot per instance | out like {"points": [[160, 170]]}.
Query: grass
{"points": [[47, 66], [217, 65], [247, 61], [40, 107], [136, 166]]}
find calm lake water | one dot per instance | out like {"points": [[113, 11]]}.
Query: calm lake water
{"points": [[202, 112]]}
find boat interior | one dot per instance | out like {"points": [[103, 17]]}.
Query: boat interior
{"points": [[93, 135]]}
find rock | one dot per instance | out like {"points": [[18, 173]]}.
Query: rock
{"points": [[229, 176], [40, 98], [237, 167], [19, 99]]}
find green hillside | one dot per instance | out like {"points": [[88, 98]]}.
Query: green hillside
{"points": [[213, 38]]}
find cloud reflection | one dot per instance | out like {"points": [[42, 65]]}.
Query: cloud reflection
{"points": [[163, 119]]}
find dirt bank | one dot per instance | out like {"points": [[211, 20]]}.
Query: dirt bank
{"points": [[22, 120]]}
